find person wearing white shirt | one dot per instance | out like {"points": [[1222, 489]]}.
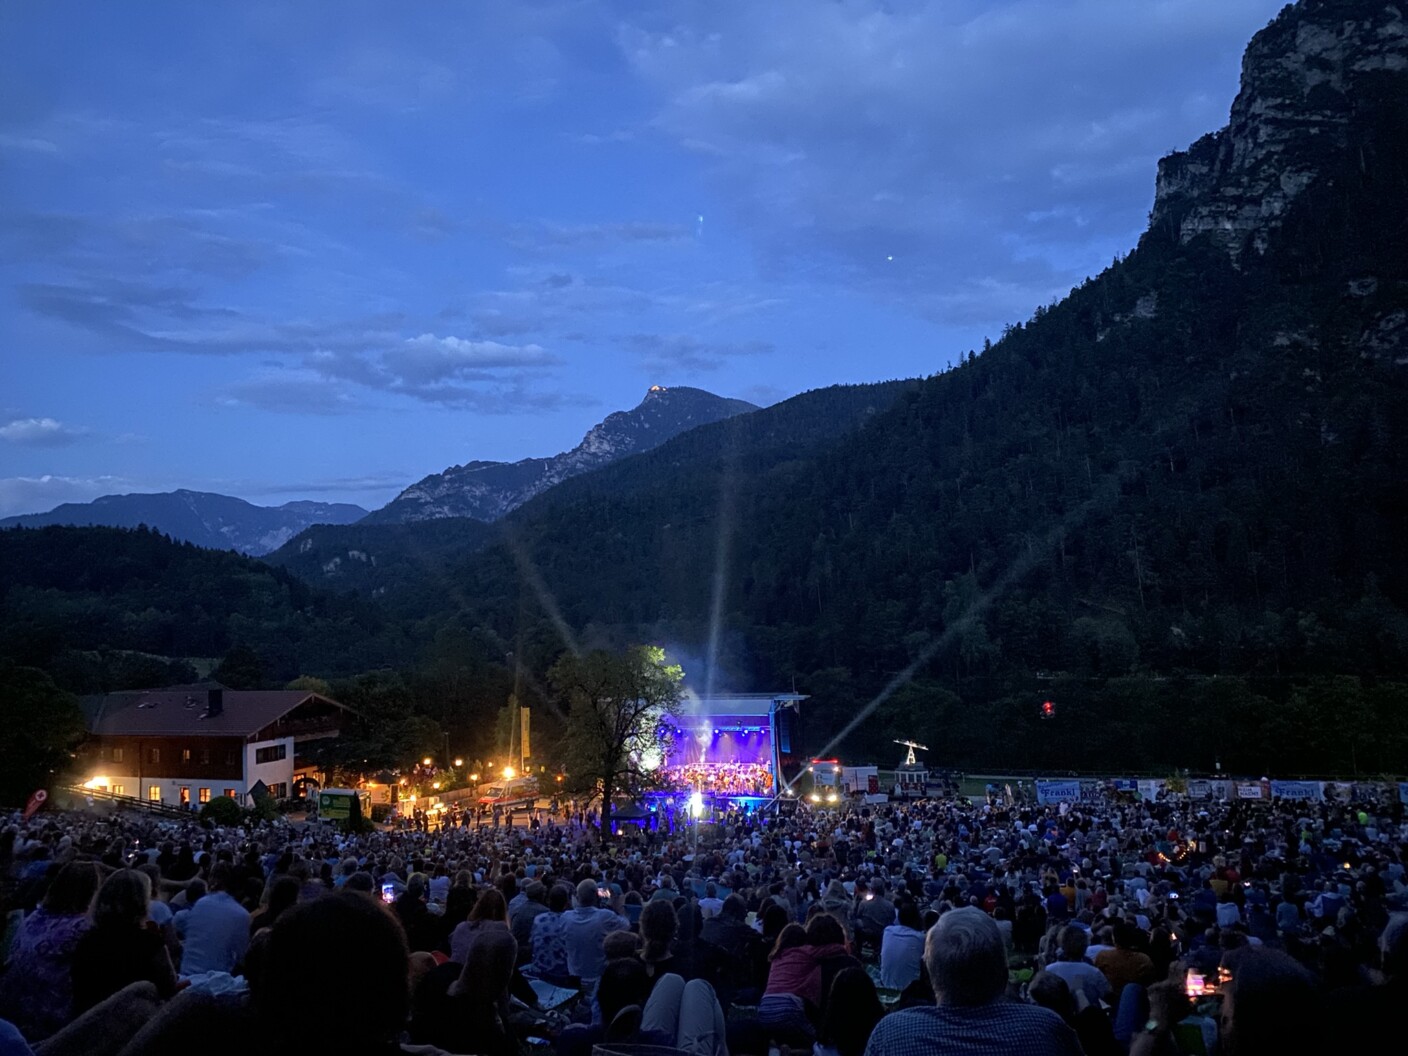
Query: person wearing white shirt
{"points": [[217, 929], [711, 903]]}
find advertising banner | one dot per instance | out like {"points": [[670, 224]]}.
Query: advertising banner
{"points": [[1249, 790], [1150, 789], [1199, 788], [1063, 791], [1309, 791]]}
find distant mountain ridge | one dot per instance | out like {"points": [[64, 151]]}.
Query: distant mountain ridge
{"points": [[486, 491], [377, 558], [219, 522]]}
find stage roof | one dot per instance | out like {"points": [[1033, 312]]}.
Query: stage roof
{"points": [[734, 703]]}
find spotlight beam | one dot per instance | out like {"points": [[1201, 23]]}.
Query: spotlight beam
{"points": [[1032, 557]]}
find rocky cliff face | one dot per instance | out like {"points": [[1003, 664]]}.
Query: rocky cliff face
{"points": [[488, 490], [1299, 77]]}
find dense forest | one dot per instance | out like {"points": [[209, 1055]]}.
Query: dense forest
{"points": [[1173, 503]]}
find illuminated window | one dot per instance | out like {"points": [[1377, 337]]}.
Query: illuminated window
{"points": [[154, 793], [204, 794], [279, 790], [185, 755], [185, 794], [119, 790], [229, 793]]}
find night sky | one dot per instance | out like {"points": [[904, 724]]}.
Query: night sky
{"points": [[318, 250]]}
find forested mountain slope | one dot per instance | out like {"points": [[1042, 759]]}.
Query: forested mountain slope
{"points": [[1193, 466], [413, 560]]}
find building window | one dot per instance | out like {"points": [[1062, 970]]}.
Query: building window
{"points": [[153, 755], [279, 790], [117, 755], [185, 794], [185, 755], [205, 756], [271, 755], [204, 795], [229, 793], [119, 790], [154, 793], [232, 757]]}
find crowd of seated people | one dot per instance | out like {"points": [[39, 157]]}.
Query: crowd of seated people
{"points": [[928, 927]]}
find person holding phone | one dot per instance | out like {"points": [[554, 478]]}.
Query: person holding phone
{"points": [[584, 931]]}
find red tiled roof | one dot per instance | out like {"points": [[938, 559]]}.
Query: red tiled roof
{"points": [[166, 712]]}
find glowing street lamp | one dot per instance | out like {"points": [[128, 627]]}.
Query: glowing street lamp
{"points": [[510, 773], [427, 761], [459, 763]]}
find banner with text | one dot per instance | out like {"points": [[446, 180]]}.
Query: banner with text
{"points": [[1058, 791], [1309, 791], [1150, 788]]}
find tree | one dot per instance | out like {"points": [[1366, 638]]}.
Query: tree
{"points": [[386, 735], [618, 712], [241, 669], [312, 684], [42, 727]]}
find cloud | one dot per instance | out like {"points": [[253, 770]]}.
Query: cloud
{"points": [[388, 481], [428, 360], [443, 371], [40, 494], [40, 432], [544, 235], [289, 392], [597, 139], [901, 148], [688, 353], [29, 143]]}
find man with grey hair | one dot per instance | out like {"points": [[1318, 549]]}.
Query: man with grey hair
{"points": [[584, 931], [967, 966]]}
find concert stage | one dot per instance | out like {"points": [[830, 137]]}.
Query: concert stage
{"points": [[734, 749]]}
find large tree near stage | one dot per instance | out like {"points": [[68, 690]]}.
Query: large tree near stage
{"points": [[620, 709]]}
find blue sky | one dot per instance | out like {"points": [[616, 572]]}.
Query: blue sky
{"points": [[319, 250]]}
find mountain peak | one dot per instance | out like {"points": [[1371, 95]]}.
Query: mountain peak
{"points": [[487, 491]]}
